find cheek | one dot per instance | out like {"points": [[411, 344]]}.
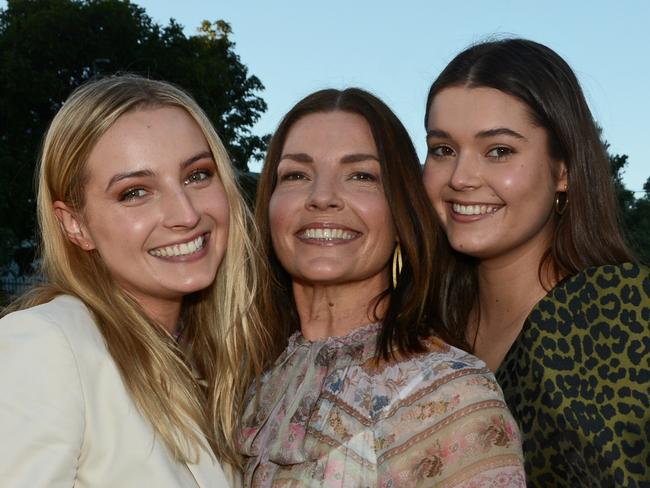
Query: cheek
{"points": [[374, 211], [433, 183], [215, 204], [117, 232], [523, 182], [435, 177], [280, 210]]}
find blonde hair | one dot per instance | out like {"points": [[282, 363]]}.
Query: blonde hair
{"points": [[225, 344]]}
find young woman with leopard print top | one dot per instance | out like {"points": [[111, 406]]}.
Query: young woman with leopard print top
{"points": [[543, 289]]}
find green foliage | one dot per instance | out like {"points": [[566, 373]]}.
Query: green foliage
{"points": [[49, 47], [635, 211]]}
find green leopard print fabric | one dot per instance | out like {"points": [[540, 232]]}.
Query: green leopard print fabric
{"points": [[578, 381]]}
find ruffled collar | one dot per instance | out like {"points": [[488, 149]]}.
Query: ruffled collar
{"points": [[364, 336], [275, 422]]}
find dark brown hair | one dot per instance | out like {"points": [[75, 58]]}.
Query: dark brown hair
{"points": [[412, 312], [588, 232]]}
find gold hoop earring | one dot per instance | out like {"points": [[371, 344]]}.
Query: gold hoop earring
{"points": [[561, 202], [397, 263]]}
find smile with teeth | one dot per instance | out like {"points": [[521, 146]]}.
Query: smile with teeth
{"points": [[327, 234], [182, 249], [474, 209]]}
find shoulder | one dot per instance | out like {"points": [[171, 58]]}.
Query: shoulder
{"points": [[447, 421], [596, 319], [599, 303], [54, 339], [65, 317], [46, 340], [578, 373], [43, 406], [379, 388], [417, 395], [628, 284]]}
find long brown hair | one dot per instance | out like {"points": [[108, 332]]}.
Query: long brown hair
{"points": [[412, 312], [226, 344], [588, 232]]}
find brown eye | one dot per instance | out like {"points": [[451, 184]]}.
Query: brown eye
{"points": [[132, 194], [293, 176], [500, 152], [363, 176], [441, 151], [198, 176]]}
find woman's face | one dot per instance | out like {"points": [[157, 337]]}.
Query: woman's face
{"points": [[489, 174], [155, 209], [330, 221]]}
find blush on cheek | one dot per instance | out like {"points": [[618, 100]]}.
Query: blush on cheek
{"points": [[137, 226]]}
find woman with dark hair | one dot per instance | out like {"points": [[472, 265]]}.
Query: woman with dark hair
{"points": [[366, 393], [543, 287]]}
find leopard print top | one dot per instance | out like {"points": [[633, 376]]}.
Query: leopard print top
{"points": [[577, 379]]}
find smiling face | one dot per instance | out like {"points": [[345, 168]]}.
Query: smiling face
{"points": [[155, 209], [489, 174], [329, 218]]}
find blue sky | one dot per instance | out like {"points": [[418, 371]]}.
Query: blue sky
{"points": [[396, 48]]}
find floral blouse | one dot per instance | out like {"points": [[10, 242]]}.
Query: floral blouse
{"points": [[329, 414]]}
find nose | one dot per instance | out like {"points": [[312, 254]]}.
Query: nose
{"points": [[324, 194], [179, 210], [466, 173]]}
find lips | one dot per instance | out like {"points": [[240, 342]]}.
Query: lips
{"points": [[327, 233], [475, 209], [181, 249]]}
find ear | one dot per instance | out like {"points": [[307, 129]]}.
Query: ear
{"points": [[73, 226], [562, 181]]}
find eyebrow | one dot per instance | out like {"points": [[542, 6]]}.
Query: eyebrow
{"points": [[357, 157], [298, 157], [441, 134], [149, 173], [348, 158], [499, 131]]}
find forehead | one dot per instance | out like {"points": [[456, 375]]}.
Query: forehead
{"points": [[330, 132], [476, 109], [148, 138]]}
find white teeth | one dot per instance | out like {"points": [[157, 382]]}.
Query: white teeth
{"points": [[474, 209], [327, 234], [179, 249]]}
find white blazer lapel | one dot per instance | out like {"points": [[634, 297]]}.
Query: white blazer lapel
{"points": [[207, 472]]}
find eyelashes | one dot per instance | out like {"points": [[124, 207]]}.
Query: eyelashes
{"points": [[132, 194], [360, 176], [497, 153], [293, 176], [500, 153], [441, 151], [198, 177]]}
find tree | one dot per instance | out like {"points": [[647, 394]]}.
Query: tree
{"points": [[635, 212], [49, 47]]}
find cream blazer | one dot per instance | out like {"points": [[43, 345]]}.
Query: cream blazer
{"points": [[66, 418]]}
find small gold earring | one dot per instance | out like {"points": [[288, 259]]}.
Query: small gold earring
{"points": [[561, 201]]}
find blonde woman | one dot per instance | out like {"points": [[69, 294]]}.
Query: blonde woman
{"points": [[128, 367]]}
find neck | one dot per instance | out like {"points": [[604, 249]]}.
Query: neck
{"points": [[336, 310], [507, 292], [509, 287], [164, 311]]}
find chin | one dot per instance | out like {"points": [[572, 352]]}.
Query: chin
{"points": [[474, 249], [193, 285]]}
